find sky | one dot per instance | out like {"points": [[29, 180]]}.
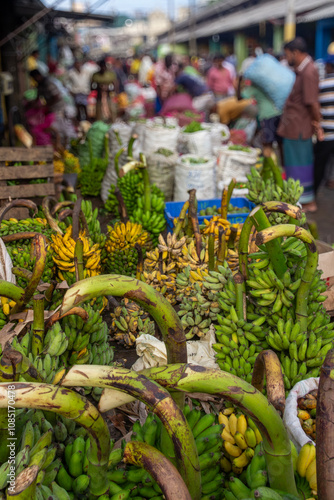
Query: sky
{"points": [[127, 6]]}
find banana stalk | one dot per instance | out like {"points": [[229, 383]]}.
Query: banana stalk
{"points": [[194, 220], [211, 247], [270, 166], [49, 291], [159, 401], [231, 186], [325, 429], [181, 218], [78, 260], [131, 165], [147, 187], [26, 235], [274, 249], [51, 221], [38, 325], [222, 247], [267, 366], [71, 405], [122, 208], [39, 249], [240, 295], [192, 378], [310, 268], [21, 272], [18, 203], [140, 263], [283, 208], [78, 311], [75, 219], [60, 205], [131, 142], [160, 468], [243, 246], [25, 485], [146, 296], [11, 291], [224, 204], [14, 365]]}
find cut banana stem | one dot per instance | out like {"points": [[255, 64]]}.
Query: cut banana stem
{"points": [[38, 325], [194, 221], [286, 230], [159, 467], [243, 246], [240, 295], [267, 366], [78, 260], [181, 218]]}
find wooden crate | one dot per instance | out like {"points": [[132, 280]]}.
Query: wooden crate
{"points": [[26, 172]]}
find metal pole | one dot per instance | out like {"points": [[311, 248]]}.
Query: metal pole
{"points": [[290, 21], [192, 28]]}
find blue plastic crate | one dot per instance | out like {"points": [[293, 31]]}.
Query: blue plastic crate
{"points": [[173, 209]]}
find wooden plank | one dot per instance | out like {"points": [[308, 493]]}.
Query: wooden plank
{"points": [[26, 172], [27, 190], [37, 153], [17, 213]]}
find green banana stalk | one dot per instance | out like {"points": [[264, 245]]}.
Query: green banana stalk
{"points": [[51, 221], [75, 407], [14, 364], [160, 468], [286, 230], [39, 249], [159, 401], [38, 325], [78, 260], [146, 296], [283, 208]]}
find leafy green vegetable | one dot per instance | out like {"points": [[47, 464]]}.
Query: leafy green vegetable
{"points": [[193, 127]]}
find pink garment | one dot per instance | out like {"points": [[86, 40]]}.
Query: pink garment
{"points": [[164, 78], [177, 102], [38, 122], [219, 80]]}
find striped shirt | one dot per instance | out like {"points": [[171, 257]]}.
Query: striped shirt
{"points": [[326, 99]]}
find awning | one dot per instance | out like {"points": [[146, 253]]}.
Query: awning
{"points": [[317, 14], [248, 17]]}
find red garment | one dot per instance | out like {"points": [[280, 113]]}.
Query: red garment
{"points": [[219, 80]]}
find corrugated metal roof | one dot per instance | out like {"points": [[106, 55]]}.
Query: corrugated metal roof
{"points": [[317, 14], [249, 17]]}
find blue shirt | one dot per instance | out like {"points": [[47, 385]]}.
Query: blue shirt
{"points": [[192, 85]]}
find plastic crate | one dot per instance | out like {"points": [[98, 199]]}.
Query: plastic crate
{"points": [[173, 209]]}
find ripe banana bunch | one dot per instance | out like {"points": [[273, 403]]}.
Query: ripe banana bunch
{"points": [[260, 191], [93, 223], [306, 466], [164, 283], [190, 257], [122, 257], [172, 246], [64, 247], [241, 437], [129, 321]]}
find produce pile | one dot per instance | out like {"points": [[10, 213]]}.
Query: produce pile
{"points": [[72, 295]]}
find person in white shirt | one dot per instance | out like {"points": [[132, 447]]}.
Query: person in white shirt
{"points": [[78, 82]]}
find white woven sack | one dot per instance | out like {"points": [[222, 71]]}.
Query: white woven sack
{"points": [[124, 132], [159, 135], [200, 176], [237, 193], [196, 143], [161, 170], [290, 418], [220, 134], [233, 163]]}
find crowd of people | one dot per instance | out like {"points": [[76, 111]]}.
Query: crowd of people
{"points": [[303, 131]]}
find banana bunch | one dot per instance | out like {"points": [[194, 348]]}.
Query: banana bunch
{"points": [[129, 188], [111, 204], [141, 485], [241, 437], [93, 223], [20, 253], [122, 256], [306, 412], [40, 443], [87, 342], [129, 321], [14, 226], [64, 246], [6, 306], [306, 467], [152, 220], [163, 282], [260, 191]]}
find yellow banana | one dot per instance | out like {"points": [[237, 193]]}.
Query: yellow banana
{"points": [[311, 469], [233, 421], [225, 465], [305, 457], [242, 422], [241, 461], [240, 441], [222, 419], [232, 450], [226, 436]]}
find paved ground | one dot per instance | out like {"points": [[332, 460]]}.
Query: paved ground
{"points": [[324, 217]]}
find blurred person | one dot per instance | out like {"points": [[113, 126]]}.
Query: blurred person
{"points": [[164, 75], [135, 66], [219, 78], [121, 76], [78, 82], [202, 97], [34, 62], [324, 147], [300, 120], [248, 61], [104, 82], [144, 70]]}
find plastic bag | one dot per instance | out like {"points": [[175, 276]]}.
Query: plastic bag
{"points": [[272, 77], [160, 135], [161, 170], [233, 163], [290, 418], [196, 143], [152, 351], [123, 131], [199, 176]]}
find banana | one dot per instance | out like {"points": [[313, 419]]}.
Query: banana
{"points": [[305, 458]]}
